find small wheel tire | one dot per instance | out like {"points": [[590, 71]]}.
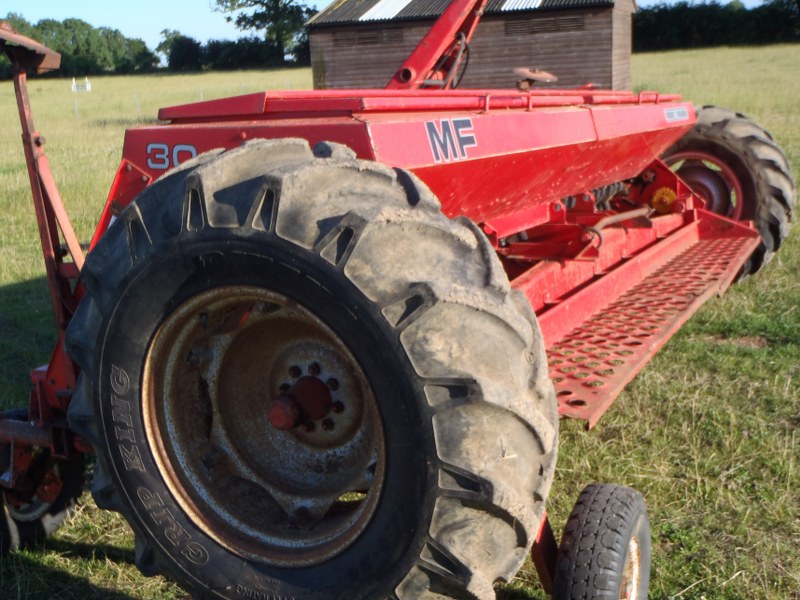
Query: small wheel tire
{"points": [[28, 525], [740, 171], [303, 381], [605, 548]]}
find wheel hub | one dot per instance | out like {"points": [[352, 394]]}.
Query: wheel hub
{"points": [[308, 400], [264, 426], [713, 180]]}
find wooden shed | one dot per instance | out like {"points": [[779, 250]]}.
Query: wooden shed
{"points": [[361, 43]]}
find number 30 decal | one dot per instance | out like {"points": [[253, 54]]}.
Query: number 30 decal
{"points": [[158, 155]]}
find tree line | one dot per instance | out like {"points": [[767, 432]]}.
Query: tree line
{"points": [[88, 50], [84, 49], [185, 53], [694, 25]]}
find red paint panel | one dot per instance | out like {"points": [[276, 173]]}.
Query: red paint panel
{"points": [[523, 158], [250, 105], [157, 149]]}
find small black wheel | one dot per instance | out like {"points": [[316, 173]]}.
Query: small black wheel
{"points": [[28, 517], [741, 173], [303, 381], [605, 549]]}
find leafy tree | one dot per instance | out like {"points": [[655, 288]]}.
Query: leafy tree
{"points": [[86, 50], [689, 25], [168, 37], [185, 54], [282, 21]]}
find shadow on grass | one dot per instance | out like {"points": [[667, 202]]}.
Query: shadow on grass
{"points": [[101, 552], [23, 575], [27, 337]]}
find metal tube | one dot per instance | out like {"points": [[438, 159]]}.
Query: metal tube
{"points": [[26, 433]]}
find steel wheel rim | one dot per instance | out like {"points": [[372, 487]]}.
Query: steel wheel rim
{"points": [[712, 179], [631, 572], [212, 371]]}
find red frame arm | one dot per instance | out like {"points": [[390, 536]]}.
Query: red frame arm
{"points": [[460, 17]]}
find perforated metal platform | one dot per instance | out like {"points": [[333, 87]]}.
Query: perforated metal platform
{"points": [[592, 363]]}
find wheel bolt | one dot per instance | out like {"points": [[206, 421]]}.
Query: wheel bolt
{"points": [[327, 425], [337, 407], [295, 371], [314, 369], [333, 384]]}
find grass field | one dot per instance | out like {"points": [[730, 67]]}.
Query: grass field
{"points": [[708, 432]]}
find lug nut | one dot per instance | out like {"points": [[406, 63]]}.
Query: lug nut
{"points": [[295, 371], [314, 369], [333, 384], [337, 407], [327, 425]]}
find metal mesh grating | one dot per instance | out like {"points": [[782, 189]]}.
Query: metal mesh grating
{"points": [[591, 364]]}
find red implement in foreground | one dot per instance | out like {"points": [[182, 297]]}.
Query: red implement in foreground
{"points": [[321, 340]]}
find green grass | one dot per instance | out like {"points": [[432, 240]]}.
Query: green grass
{"points": [[708, 432]]}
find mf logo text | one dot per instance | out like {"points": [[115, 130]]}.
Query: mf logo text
{"points": [[450, 138]]}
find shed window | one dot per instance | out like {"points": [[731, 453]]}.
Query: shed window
{"points": [[544, 25], [368, 37]]}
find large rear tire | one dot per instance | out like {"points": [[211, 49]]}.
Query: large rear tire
{"points": [[301, 380], [740, 171]]}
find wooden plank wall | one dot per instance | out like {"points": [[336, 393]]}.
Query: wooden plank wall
{"points": [[622, 44], [350, 57], [576, 45]]}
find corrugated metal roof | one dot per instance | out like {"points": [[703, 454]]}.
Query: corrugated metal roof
{"points": [[429, 8], [384, 9], [343, 12], [520, 4]]}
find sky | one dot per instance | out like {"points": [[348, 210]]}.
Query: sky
{"points": [[145, 19]]}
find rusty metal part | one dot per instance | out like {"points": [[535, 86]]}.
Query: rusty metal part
{"points": [[663, 200], [25, 52], [241, 385], [284, 413], [309, 399], [595, 231], [631, 571], [530, 77], [25, 432]]}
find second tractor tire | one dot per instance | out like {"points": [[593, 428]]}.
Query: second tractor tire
{"points": [[741, 172]]}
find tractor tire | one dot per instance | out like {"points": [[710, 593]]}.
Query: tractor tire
{"points": [[605, 548], [303, 381], [741, 172], [25, 525]]}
